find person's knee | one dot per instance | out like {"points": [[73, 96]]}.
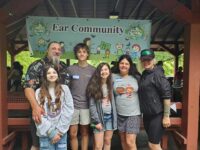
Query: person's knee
{"points": [[107, 140], [34, 148], [154, 146], [130, 142], [84, 132], [73, 134], [98, 146]]}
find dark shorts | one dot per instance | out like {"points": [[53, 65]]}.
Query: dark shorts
{"points": [[128, 124], [35, 138], [154, 128]]}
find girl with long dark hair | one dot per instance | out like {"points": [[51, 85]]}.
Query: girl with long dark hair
{"points": [[56, 101], [102, 106]]}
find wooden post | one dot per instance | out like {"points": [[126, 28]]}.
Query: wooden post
{"points": [[3, 87], [191, 86]]}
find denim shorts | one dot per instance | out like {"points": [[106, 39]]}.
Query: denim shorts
{"points": [[107, 124], [45, 143]]}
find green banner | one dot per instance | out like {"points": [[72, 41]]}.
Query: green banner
{"points": [[106, 38]]}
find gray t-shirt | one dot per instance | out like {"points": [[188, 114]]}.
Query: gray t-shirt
{"points": [[106, 104], [126, 95], [80, 77]]}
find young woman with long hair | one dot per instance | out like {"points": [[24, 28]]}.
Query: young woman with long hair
{"points": [[102, 107], [56, 101]]}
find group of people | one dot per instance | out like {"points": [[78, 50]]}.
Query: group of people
{"points": [[65, 99]]}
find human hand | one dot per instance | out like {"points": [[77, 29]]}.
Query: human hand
{"points": [[37, 111], [166, 122], [99, 126], [56, 138]]}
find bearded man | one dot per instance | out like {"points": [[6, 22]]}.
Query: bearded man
{"points": [[33, 80]]}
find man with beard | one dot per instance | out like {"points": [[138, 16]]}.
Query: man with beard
{"points": [[33, 81]]}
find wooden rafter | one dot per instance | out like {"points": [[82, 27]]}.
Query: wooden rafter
{"points": [[48, 8], [169, 31], [94, 8], [17, 9], [176, 10], [158, 28], [116, 5], [133, 11], [139, 10], [3, 2], [63, 5], [179, 34], [160, 19], [123, 9], [17, 51], [54, 8], [168, 49], [153, 11], [74, 7], [195, 5]]}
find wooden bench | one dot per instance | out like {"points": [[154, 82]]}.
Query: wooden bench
{"points": [[18, 124], [175, 128], [22, 124]]}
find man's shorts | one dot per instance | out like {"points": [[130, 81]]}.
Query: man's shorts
{"points": [[81, 116], [35, 138]]}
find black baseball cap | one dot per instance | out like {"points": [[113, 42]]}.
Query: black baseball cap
{"points": [[147, 54]]}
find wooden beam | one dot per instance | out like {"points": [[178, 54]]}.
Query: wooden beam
{"points": [[158, 29], [3, 86], [133, 11], [116, 5], [191, 89], [64, 8], [74, 7], [168, 49], [179, 34], [17, 51], [49, 10], [150, 13], [176, 10], [54, 8], [9, 138], [169, 31], [17, 9], [195, 5], [139, 10], [167, 42], [94, 8]]}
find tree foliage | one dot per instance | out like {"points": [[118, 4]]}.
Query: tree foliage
{"points": [[168, 61]]}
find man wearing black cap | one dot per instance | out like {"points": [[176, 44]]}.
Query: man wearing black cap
{"points": [[154, 95]]}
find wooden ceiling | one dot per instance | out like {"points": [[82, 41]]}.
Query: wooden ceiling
{"points": [[168, 17]]}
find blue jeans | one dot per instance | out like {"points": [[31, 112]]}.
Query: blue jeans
{"points": [[45, 143]]}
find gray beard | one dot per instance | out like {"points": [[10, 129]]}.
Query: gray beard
{"points": [[55, 61]]}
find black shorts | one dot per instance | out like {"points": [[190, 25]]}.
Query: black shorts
{"points": [[154, 128], [35, 138]]}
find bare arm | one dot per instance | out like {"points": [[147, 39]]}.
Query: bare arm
{"points": [[37, 111], [166, 119]]}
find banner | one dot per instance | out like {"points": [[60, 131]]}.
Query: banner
{"points": [[106, 38]]}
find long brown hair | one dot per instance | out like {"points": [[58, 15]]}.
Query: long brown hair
{"points": [[94, 88], [44, 92]]}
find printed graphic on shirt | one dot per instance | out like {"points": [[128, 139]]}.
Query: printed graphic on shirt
{"points": [[125, 89], [105, 102], [52, 111]]}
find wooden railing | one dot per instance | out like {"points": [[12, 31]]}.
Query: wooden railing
{"points": [[18, 102]]}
